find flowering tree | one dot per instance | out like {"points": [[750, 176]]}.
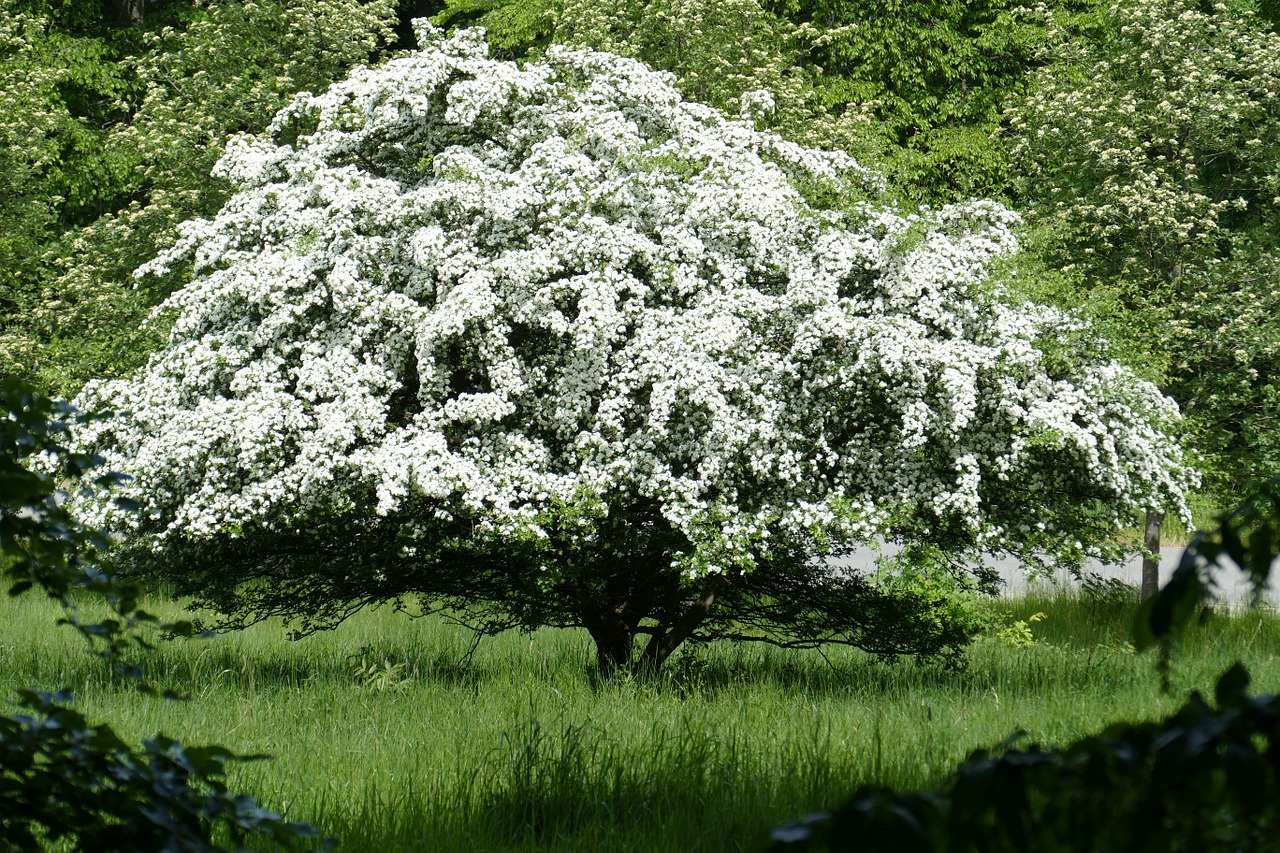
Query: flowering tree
{"points": [[549, 340]]}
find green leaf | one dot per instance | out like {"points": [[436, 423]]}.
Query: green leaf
{"points": [[1232, 686], [1171, 608]]}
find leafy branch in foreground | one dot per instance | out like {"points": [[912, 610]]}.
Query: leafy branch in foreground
{"points": [[62, 779], [1203, 779], [44, 545]]}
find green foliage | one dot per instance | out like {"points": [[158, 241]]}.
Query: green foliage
{"points": [[64, 780], [57, 90], [1202, 779], [734, 740], [717, 49], [111, 134], [931, 78], [381, 675], [61, 779], [916, 88], [1225, 369], [514, 29], [1018, 633]]}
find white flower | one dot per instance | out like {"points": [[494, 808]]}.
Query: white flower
{"points": [[508, 291]]}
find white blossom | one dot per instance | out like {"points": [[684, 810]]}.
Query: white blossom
{"points": [[507, 291]]}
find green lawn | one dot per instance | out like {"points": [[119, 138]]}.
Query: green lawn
{"points": [[389, 737]]}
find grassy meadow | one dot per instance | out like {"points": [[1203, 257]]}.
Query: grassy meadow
{"points": [[395, 734]]}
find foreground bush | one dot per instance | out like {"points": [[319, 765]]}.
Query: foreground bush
{"points": [[1203, 779], [62, 779]]}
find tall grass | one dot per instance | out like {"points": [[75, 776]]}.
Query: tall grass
{"points": [[392, 734]]}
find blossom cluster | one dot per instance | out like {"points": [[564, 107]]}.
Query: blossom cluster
{"points": [[522, 294]]}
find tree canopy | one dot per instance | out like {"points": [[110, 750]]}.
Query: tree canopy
{"points": [[554, 326]]}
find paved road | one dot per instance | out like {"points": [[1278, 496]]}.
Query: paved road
{"points": [[1234, 590]]}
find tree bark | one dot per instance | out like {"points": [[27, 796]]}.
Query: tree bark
{"points": [[613, 644], [128, 11], [1151, 560], [663, 643], [614, 640]]}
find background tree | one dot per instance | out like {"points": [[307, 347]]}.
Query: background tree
{"points": [[1152, 145], [552, 339], [59, 89], [917, 88], [111, 135], [931, 78], [717, 50]]}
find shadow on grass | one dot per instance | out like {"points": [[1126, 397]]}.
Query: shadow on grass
{"points": [[564, 787]]}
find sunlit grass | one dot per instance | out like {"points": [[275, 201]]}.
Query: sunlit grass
{"points": [[392, 734]]}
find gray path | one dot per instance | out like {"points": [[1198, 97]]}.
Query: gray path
{"points": [[1233, 589]]}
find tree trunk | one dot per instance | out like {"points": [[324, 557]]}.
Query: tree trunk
{"points": [[128, 11], [614, 629], [614, 641], [663, 643], [1151, 560]]}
